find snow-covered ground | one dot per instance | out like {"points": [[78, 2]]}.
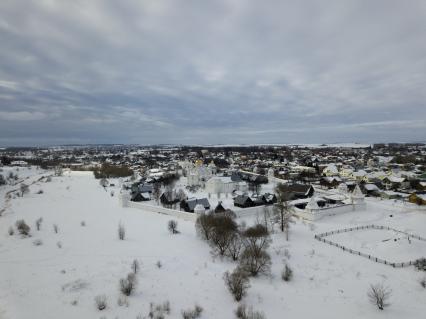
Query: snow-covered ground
{"points": [[385, 244], [50, 282]]}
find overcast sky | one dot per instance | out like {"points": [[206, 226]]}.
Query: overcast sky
{"points": [[212, 71]]}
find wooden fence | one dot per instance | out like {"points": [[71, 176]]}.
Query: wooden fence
{"points": [[321, 238]]}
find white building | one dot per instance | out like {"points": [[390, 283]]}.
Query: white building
{"points": [[318, 205], [197, 174], [224, 184]]}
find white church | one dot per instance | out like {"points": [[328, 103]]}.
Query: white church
{"points": [[197, 173], [330, 203]]}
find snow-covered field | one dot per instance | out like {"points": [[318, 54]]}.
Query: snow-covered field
{"points": [[46, 281], [385, 244]]}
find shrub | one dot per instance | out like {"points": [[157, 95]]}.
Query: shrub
{"points": [[38, 223], [420, 264], [38, 242], [255, 262], [135, 266], [222, 233], [55, 228], [379, 295], [40, 191], [22, 227], [172, 226], [59, 244], [159, 311], [203, 225], [128, 285], [11, 231], [287, 273], [235, 246], [159, 264], [243, 313], [101, 302], [121, 231], [192, 313], [24, 188], [237, 283], [83, 223], [254, 257], [422, 282], [122, 301]]}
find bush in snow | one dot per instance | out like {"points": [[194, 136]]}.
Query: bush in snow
{"points": [[37, 242], [24, 188], [420, 264], [237, 283], [192, 313], [38, 223], [287, 273], [121, 231], [40, 191], [255, 262], [59, 244], [122, 301], [55, 228], [222, 232], [243, 313], [128, 285], [101, 302], [159, 264], [255, 258], [172, 226], [235, 246], [83, 223], [422, 282], [135, 266], [203, 225], [379, 295], [11, 231], [22, 227], [159, 311]]}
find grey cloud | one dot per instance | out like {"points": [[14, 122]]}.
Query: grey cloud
{"points": [[212, 71]]}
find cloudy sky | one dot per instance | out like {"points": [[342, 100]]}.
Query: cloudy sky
{"points": [[196, 71]]}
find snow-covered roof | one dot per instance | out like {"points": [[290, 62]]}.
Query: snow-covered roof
{"points": [[371, 187]]}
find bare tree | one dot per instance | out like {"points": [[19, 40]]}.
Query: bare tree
{"points": [[283, 211], [237, 282], [204, 225], [24, 189], [172, 226], [379, 295], [222, 232], [235, 246], [156, 192], [135, 266], [38, 223], [121, 231], [287, 273], [255, 258]]}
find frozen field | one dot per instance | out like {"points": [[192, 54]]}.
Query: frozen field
{"points": [[382, 243], [49, 282]]}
